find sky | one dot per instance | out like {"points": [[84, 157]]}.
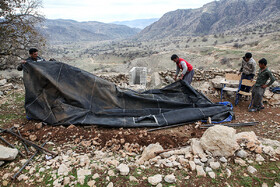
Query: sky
{"points": [[114, 10]]}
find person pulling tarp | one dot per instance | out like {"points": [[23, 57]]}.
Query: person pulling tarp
{"points": [[60, 94]]}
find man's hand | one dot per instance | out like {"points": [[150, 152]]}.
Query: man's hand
{"points": [[175, 77], [264, 86], [23, 61], [181, 77]]}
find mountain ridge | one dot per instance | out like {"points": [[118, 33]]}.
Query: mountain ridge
{"points": [[212, 18]]}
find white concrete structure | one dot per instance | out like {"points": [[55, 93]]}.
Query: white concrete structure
{"points": [[138, 75]]}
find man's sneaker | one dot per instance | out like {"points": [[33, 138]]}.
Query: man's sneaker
{"points": [[262, 107], [253, 110]]}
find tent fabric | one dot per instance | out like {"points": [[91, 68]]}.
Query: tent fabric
{"points": [[60, 94]]}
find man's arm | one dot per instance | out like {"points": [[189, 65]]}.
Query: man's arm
{"points": [[272, 79], [177, 72]]}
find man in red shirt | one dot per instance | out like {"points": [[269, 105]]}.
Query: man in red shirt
{"points": [[187, 69]]}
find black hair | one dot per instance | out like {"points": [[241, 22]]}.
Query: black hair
{"points": [[32, 50], [174, 57], [263, 61], [248, 55]]}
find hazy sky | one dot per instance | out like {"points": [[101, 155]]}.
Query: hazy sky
{"points": [[114, 10]]}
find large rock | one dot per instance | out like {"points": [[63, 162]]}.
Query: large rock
{"points": [[7, 153], [219, 140], [149, 152]]}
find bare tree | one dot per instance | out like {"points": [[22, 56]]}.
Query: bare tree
{"points": [[18, 22]]}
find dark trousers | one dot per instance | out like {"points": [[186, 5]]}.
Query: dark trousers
{"points": [[249, 77], [188, 77], [257, 95]]}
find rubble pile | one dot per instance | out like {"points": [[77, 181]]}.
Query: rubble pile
{"points": [[220, 150], [120, 79]]}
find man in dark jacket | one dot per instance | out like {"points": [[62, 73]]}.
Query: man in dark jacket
{"points": [[33, 58]]}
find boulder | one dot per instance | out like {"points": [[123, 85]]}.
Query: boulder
{"points": [[7, 153], [220, 141]]}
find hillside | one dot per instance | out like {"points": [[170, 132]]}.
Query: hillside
{"points": [[61, 30], [215, 17]]}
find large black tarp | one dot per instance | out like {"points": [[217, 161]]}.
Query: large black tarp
{"points": [[60, 94]]}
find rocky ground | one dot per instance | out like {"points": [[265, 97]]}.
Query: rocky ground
{"points": [[181, 156]]}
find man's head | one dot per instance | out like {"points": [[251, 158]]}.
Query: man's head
{"points": [[248, 56], [262, 63], [175, 58], [33, 53]]}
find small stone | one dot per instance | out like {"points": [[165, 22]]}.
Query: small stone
{"points": [[22, 177], [277, 150], [66, 181], [170, 178], [5, 183], [38, 126], [212, 174], [91, 183], [197, 162], [251, 169], [159, 185], [242, 154], [269, 150], [1, 163], [228, 173], [132, 179], [200, 171], [204, 160], [215, 165], [259, 158], [71, 126], [111, 184], [259, 150], [32, 137], [62, 170], [192, 165], [123, 169], [264, 185], [207, 169], [240, 162], [154, 180], [223, 160], [111, 173]]}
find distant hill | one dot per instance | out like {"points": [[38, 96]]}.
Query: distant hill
{"points": [[212, 18], [138, 23], [62, 30]]}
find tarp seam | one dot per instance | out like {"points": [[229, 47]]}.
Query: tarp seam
{"points": [[164, 119]]}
